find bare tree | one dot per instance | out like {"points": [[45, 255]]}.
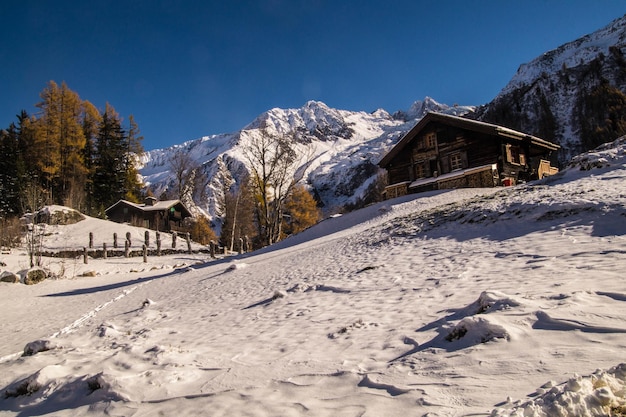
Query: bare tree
{"points": [[189, 179], [33, 199], [275, 168]]}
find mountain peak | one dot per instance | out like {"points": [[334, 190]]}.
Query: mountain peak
{"points": [[315, 104]]}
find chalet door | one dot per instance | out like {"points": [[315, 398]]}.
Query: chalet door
{"points": [[433, 168]]}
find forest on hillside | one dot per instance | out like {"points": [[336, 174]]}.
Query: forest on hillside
{"points": [[69, 153], [72, 154]]}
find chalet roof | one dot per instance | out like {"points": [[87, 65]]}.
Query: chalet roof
{"points": [[467, 124], [154, 206]]}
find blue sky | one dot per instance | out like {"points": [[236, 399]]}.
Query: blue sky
{"points": [[187, 69]]}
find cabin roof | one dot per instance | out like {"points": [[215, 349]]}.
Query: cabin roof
{"points": [[467, 124], [155, 206]]}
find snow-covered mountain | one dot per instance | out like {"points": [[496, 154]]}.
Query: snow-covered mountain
{"points": [[344, 147], [561, 95]]}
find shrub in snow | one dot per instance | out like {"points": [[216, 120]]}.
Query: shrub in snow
{"points": [[236, 266], [494, 301], [475, 330], [279, 294], [35, 276]]}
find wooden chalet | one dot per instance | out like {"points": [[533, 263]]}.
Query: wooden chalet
{"points": [[165, 216], [444, 151]]}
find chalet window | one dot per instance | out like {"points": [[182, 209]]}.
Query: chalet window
{"points": [[430, 140], [456, 161], [515, 155], [125, 210], [421, 170]]}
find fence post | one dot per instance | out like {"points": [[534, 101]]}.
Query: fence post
{"points": [[240, 246], [147, 238], [174, 236], [104, 250], [128, 238], [126, 249], [145, 253], [158, 243], [188, 242], [85, 261], [114, 240], [212, 249], [90, 240]]}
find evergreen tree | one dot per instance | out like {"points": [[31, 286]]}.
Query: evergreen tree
{"points": [[9, 178], [110, 161], [91, 121], [133, 183]]}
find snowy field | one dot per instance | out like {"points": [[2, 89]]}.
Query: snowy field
{"points": [[502, 302]]}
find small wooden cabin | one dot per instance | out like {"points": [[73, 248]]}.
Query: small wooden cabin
{"points": [[444, 151], [165, 216]]}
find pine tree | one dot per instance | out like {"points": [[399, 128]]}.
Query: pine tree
{"points": [[91, 122], [9, 179], [133, 183], [110, 161]]}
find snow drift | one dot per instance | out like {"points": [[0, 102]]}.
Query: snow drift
{"points": [[503, 302]]}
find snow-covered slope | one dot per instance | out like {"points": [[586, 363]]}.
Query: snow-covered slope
{"points": [[345, 146], [502, 302], [548, 96]]}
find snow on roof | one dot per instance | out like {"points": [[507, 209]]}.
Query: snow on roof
{"points": [[156, 206], [451, 175]]}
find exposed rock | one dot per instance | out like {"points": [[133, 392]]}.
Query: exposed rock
{"points": [[37, 346], [10, 277], [58, 215]]}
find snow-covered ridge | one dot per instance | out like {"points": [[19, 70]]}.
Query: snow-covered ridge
{"points": [[578, 52]]}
